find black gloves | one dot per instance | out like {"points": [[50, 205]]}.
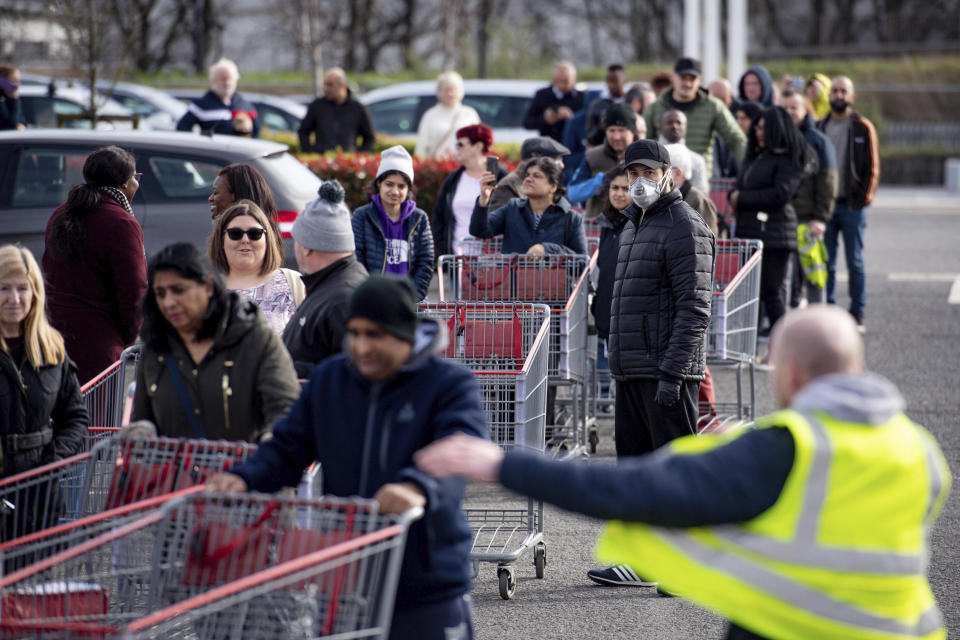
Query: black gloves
{"points": [[668, 392]]}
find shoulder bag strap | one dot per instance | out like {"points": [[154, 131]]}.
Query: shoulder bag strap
{"points": [[184, 397]]}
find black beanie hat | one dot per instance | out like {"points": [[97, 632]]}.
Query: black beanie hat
{"points": [[621, 115], [388, 301]]}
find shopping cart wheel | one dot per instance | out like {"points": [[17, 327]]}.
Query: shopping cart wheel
{"points": [[594, 439], [540, 558], [508, 582]]}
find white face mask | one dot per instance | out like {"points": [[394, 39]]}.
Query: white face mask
{"points": [[645, 192]]}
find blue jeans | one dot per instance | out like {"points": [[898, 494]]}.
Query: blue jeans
{"points": [[851, 223]]}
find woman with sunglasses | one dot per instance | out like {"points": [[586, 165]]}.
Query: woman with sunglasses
{"points": [[243, 248], [211, 367], [94, 263]]}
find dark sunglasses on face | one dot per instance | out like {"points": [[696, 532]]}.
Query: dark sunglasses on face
{"points": [[236, 233]]}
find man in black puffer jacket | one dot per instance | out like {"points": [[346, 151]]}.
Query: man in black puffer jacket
{"points": [[661, 307], [658, 316]]}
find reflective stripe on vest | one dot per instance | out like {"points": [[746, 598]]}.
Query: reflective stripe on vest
{"points": [[791, 591], [791, 572]]}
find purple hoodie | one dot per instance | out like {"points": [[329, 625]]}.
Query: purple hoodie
{"points": [[398, 247]]}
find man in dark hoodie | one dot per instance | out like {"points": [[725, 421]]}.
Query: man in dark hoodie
{"points": [[362, 415], [705, 115], [812, 525], [756, 85]]}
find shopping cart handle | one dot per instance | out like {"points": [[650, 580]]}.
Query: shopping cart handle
{"points": [[410, 516]]}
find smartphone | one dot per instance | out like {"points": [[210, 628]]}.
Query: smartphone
{"points": [[6, 85], [493, 163]]}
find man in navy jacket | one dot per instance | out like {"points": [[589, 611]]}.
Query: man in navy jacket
{"points": [[363, 414], [222, 109]]}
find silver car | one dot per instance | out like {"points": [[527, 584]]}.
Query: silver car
{"points": [[37, 169]]}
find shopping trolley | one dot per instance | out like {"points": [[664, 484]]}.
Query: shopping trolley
{"points": [[106, 396], [732, 336], [116, 472], [559, 281], [305, 567], [505, 345], [720, 189]]}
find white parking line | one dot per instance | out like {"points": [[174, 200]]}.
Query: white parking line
{"points": [[954, 297], [922, 277]]}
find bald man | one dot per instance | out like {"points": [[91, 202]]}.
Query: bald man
{"points": [[337, 119], [552, 106], [811, 525], [855, 140], [722, 90]]}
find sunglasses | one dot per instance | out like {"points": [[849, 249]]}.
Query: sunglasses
{"points": [[236, 233]]}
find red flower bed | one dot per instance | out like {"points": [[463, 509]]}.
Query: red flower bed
{"points": [[356, 170]]}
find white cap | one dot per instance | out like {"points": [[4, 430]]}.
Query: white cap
{"points": [[396, 159]]}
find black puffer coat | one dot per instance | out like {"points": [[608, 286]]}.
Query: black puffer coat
{"points": [[32, 400], [768, 181], [662, 293]]}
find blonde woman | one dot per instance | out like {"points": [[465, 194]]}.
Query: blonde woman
{"points": [[437, 133], [42, 415], [244, 250]]}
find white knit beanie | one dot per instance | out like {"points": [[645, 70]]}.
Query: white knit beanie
{"points": [[396, 159]]}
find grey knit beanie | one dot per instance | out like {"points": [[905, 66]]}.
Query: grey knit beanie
{"points": [[324, 224]]}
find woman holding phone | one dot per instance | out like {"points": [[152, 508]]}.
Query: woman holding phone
{"points": [[460, 189], [392, 235]]}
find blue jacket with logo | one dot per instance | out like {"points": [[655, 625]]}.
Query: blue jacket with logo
{"points": [[371, 244], [365, 434]]}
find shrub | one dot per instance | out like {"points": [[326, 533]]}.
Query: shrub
{"points": [[356, 170]]}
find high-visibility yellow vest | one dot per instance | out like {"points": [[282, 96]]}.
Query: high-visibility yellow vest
{"points": [[841, 554], [813, 256]]}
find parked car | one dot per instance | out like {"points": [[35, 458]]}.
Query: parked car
{"points": [[501, 104], [276, 113], [158, 108], [38, 167], [43, 103]]}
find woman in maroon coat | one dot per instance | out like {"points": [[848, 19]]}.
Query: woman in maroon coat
{"points": [[94, 263]]}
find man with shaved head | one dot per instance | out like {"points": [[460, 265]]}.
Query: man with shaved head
{"points": [[552, 106], [337, 119], [813, 524], [858, 172]]}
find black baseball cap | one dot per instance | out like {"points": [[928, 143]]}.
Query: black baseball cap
{"points": [[649, 153], [542, 146], [687, 67]]}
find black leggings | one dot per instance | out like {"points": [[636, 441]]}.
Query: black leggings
{"points": [[772, 274]]}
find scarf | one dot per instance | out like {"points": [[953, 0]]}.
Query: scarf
{"points": [[117, 195]]}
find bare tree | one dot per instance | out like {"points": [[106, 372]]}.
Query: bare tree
{"points": [[88, 25], [153, 27]]}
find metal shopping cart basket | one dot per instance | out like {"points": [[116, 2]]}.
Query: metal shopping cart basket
{"points": [[720, 189], [505, 344], [135, 573], [732, 336], [106, 395], [560, 282], [116, 472]]}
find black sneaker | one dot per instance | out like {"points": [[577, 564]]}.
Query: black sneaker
{"points": [[619, 576]]}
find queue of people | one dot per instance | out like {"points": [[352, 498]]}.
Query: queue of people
{"points": [[227, 333]]}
